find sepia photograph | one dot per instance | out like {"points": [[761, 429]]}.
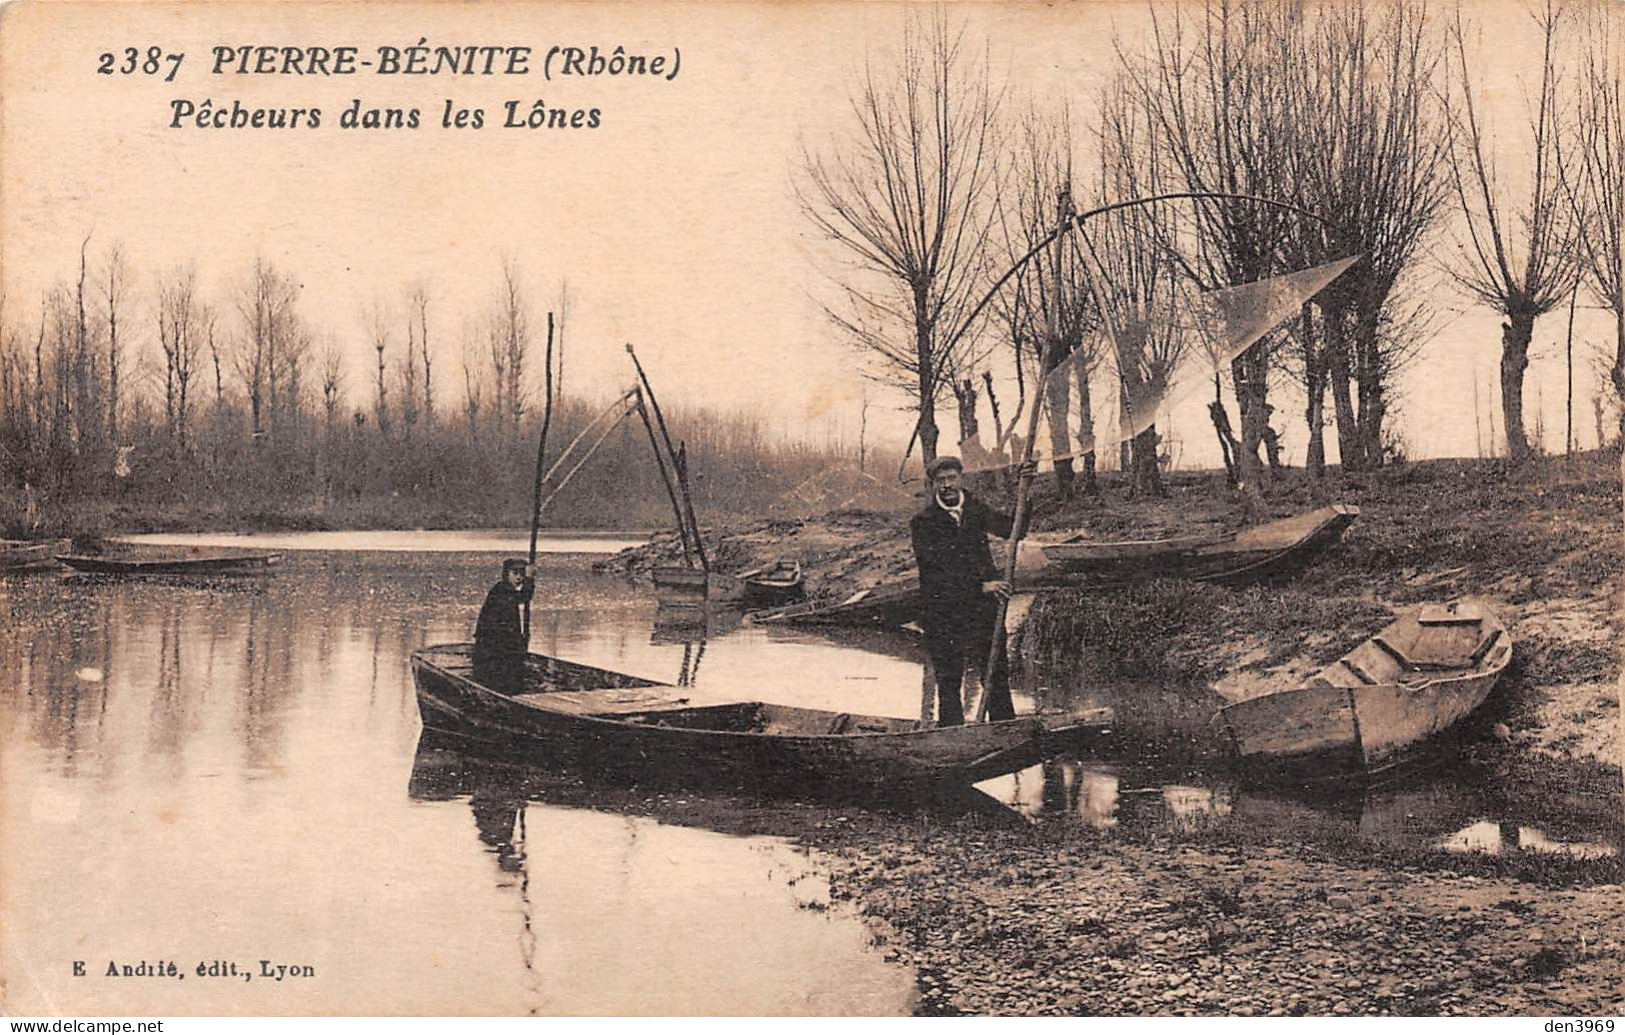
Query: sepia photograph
{"points": [[789, 508]]}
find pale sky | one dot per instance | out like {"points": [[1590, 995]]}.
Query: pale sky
{"points": [[674, 221]]}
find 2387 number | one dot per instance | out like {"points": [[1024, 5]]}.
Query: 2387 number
{"points": [[135, 60]]}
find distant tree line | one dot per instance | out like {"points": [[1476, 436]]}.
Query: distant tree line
{"points": [[1364, 116], [129, 402]]}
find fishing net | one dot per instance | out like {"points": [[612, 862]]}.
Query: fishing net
{"points": [[1149, 358]]}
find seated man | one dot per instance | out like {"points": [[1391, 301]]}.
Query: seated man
{"points": [[500, 637]]}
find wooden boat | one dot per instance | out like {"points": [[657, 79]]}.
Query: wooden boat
{"points": [[574, 715], [1415, 679], [771, 584], [889, 605], [1251, 553], [195, 561], [30, 555]]}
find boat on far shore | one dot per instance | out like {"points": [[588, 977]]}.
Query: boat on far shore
{"points": [[194, 561], [765, 586], [1253, 552], [889, 605], [31, 554]]}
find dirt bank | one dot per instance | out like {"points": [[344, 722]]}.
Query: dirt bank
{"points": [[1060, 918]]}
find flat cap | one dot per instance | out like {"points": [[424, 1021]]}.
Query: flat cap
{"points": [[515, 564], [943, 463]]}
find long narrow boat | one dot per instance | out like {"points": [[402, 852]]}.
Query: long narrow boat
{"points": [[889, 605], [576, 716], [30, 555], [1415, 679], [1253, 552], [771, 584], [195, 562]]}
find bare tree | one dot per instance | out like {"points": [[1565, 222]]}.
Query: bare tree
{"points": [[182, 329], [1218, 106], [510, 344], [266, 305], [1139, 278], [905, 200], [407, 373], [473, 386], [1519, 258], [420, 302], [566, 305], [1597, 180], [376, 319], [1370, 156], [116, 273], [1051, 306]]}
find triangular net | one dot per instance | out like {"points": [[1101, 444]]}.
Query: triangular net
{"points": [[1147, 360]]}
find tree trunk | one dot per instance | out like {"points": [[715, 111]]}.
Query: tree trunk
{"points": [[1368, 380], [1516, 333], [1249, 370], [1147, 473], [1314, 376], [1617, 373], [1086, 432], [1058, 394], [928, 427], [1349, 448], [1221, 427], [927, 380]]}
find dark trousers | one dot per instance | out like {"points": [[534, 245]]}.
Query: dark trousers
{"points": [[504, 673], [951, 641]]}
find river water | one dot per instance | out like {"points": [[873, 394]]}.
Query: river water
{"points": [[230, 771]]}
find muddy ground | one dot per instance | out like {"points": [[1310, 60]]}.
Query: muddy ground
{"points": [[1053, 917]]}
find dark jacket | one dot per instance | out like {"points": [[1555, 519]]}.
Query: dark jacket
{"points": [[955, 559], [499, 630]]}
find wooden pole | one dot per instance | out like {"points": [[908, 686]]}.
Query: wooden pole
{"points": [[1018, 523], [541, 463], [666, 477], [688, 508], [679, 466]]}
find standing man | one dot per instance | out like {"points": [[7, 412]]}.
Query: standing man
{"points": [[500, 638], [961, 588]]}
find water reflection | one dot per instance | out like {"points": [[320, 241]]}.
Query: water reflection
{"points": [[752, 930], [220, 769], [1463, 809]]}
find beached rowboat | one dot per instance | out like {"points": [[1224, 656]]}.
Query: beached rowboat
{"points": [[1253, 552], [889, 605], [28, 555], [578, 716], [1413, 680], [777, 583], [195, 562]]}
